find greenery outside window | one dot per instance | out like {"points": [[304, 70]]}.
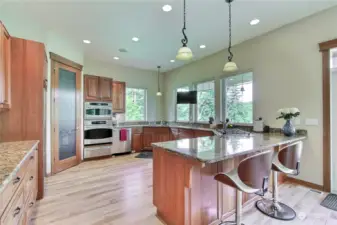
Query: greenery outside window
{"points": [[135, 104], [183, 110], [205, 101], [238, 98]]}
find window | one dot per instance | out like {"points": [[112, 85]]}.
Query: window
{"points": [[205, 101], [135, 104], [238, 98], [183, 110]]}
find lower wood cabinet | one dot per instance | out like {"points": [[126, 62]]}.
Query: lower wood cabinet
{"points": [[137, 139], [19, 196]]}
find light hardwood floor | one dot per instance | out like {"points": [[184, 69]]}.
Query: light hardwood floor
{"points": [[118, 191]]}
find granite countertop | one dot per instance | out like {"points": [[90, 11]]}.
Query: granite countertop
{"points": [[169, 126], [214, 149], [12, 154]]}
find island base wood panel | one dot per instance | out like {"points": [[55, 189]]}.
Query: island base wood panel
{"points": [[187, 194]]}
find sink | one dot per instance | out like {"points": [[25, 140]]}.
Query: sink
{"points": [[232, 131]]}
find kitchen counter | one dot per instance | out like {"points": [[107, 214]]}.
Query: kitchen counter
{"points": [[184, 170], [168, 126], [12, 154], [214, 149]]}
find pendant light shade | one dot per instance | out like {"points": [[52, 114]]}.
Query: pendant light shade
{"points": [[159, 92], [184, 53], [230, 66]]}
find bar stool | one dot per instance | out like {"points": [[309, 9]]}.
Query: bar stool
{"points": [[251, 176], [287, 161]]}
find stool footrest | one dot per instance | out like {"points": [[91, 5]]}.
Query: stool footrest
{"points": [[276, 210]]}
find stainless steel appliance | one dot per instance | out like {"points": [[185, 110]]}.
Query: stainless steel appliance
{"points": [[97, 110], [92, 151], [118, 145], [98, 132]]}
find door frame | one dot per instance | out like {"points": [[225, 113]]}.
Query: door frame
{"points": [[324, 48], [59, 61]]}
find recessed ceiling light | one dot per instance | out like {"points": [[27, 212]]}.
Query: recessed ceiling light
{"points": [[254, 22], [202, 46], [116, 58], [135, 39], [167, 8], [86, 41], [172, 60]]}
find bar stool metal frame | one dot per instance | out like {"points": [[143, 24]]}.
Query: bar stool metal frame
{"points": [[287, 161], [251, 176]]}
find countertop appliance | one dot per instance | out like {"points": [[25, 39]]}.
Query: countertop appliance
{"points": [[97, 132], [258, 125], [118, 145], [97, 110]]}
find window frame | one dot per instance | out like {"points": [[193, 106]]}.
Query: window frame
{"points": [[223, 108], [195, 106], [190, 87], [145, 104]]}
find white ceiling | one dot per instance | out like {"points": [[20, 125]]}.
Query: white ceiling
{"points": [[110, 25]]}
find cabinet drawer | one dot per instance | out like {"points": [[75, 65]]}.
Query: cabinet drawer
{"points": [[30, 180], [17, 179], [30, 204], [15, 210]]}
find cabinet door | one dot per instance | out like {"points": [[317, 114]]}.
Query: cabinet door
{"points": [[118, 97], [105, 85], [147, 140], [92, 90], [5, 68], [137, 142]]}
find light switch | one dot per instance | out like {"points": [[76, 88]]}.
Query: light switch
{"points": [[311, 122]]}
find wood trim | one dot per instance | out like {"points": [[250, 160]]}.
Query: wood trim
{"points": [[64, 61], [327, 45], [326, 121], [58, 166], [305, 183]]}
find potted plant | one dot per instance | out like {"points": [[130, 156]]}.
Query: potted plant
{"points": [[287, 114]]}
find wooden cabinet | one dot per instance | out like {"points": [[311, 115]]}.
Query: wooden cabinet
{"points": [[186, 133], [97, 88], [19, 200], [106, 89], [118, 97], [203, 133], [137, 139], [147, 140], [5, 68]]}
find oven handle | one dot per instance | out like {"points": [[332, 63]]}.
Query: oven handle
{"points": [[96, 127]]}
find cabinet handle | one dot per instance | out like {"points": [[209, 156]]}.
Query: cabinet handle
{"points": [[16, 211], [31, 157], [31, 178], [16, 180], [31, 204]]}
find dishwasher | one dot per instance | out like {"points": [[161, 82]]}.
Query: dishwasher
{"points": [[119, 146]]}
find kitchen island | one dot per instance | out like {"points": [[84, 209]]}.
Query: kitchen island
{"points": [[184, 189]]}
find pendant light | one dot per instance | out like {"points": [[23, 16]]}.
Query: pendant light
{"points": [[184, 53], [230, 66], [159, 93]]}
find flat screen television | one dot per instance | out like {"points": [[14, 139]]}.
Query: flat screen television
{"points": [[187, 97]]}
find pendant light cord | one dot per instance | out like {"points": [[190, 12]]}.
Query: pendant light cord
{"points": [[184, 41], [158, 78], [230, 57]]}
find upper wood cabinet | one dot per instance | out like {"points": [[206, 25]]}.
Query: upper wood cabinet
{"points": [[5, 68], [118, 97], [97, 88]]}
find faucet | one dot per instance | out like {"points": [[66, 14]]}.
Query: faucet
{"points": [[225, 126]]}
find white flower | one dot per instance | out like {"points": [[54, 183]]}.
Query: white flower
{"points": [[294, 110], [286, 111]]}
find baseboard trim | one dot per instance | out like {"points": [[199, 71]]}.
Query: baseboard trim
{"points": [[305, 183]]}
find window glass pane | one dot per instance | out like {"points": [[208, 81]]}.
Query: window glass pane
{"points": [[135, 104], [183, 110], [206, 101], [239, 98]]}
